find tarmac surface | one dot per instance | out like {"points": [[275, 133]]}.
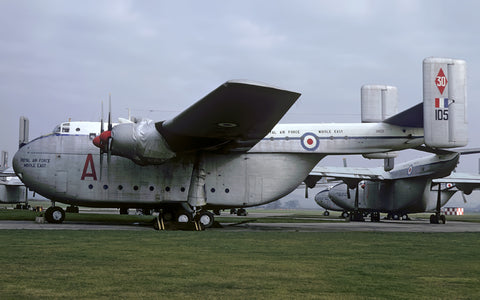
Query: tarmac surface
{"points": [[333, 225]]}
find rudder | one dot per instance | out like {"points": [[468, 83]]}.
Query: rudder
{"points": [[445, 102]]}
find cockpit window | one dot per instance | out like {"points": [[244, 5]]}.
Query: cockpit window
{"points": [[56, 129], [65, 129]]}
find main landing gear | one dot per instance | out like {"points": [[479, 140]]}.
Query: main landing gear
{"points": [[184, 220], [438, 217]]}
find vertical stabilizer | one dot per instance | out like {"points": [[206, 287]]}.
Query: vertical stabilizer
{"points": [[445, 102], [23, 131], [379, 102], [4, 160]]}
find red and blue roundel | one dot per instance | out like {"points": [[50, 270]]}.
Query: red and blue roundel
{"points": [[309, 141], [410, 170]]}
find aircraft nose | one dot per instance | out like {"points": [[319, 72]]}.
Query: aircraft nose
{"points": [[338, 194]]}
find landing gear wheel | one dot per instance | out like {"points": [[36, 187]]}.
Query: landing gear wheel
{"points": [[207, 219], [443, 219], [55, 214], [396, 217], [242, 212], [124, 210], [326, 213], [375, 216], [345, 214], [184, 217], [433, 219]]}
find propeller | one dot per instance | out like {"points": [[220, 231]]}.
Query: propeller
{"points": [[104, 140]]}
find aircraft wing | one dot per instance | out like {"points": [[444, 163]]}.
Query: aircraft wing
{"points": [[459, 178], [9, 178], [351, 173], [235, 116], [8, 172]]}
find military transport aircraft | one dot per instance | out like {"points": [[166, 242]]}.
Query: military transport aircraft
{"points": [[420, 185], [225, 150]]}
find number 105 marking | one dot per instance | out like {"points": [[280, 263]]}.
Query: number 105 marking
{"points": [[441, 114]]}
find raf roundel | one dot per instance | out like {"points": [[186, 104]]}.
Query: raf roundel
{"points": [[410, 170], [309, 141]]}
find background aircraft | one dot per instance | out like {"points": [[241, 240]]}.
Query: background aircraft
{"points": [[420, 185], [224, 150], [12, 190]]}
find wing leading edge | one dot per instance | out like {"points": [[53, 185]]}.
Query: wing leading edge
{"points": [[374, 174], [235, 116]]}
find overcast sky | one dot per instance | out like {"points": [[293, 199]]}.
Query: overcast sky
{"points": [[59, 59]]}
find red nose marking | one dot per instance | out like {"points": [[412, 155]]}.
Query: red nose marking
{"points": [[101, 140], [96, 141]]}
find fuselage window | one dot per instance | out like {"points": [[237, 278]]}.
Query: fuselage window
{"points": [[135, 187], [120, 187], [182, 189], [105, 187], [90, 186], [151, 188]]}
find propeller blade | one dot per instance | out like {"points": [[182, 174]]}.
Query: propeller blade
{"points": [[109, 151], [109, 112], [101, 120], [101, 164], [97, 142]]}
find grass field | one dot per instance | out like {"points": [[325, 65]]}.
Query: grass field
{"points": [[216, 264], [238, 265]]}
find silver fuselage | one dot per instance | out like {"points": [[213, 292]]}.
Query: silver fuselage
{"points": [[65, 166]]}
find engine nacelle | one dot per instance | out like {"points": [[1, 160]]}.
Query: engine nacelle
{"points": [[140, 142]]}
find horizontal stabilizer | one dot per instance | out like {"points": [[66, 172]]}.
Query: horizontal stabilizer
{"points": [[412, 117]]}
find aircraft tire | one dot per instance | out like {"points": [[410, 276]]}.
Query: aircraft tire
{"points": [[395, 217], [184, 217], [207, 219], [55, 214], [326, 213], [443, 219], [433, 219], [242, 212], [345, 214]]}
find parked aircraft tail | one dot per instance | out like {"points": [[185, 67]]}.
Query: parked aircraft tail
{"points": [[445, 102], [443, 111]]}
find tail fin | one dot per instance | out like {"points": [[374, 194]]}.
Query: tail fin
{"points": [[23, 132], [445, 102]]}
